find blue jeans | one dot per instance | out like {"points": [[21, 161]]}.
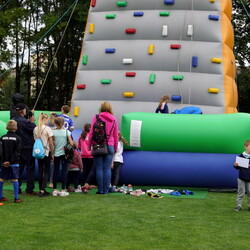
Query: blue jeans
{"points": [[103, 170]]}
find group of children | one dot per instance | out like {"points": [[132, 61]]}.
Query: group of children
{"points": [[54, 131]]}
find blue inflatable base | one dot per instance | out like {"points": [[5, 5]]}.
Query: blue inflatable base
{"points": [[179, 169]]}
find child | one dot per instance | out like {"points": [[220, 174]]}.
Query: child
{"points": [[118, 160], [11, 144], [87, 158], [52, 126], [60, 139], [163, 106], [45, 133], [74, 170], [68, 123], [244, 179]]}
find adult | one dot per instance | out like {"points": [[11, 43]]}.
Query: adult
{"points": [[103, 163], [163, 106], [45, 133], [25, 131], [17, 98]]}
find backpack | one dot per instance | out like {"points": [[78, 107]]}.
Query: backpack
{"points": [[38, 149], [99, 131], [69, 152]]}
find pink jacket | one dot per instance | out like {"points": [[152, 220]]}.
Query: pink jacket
{"points": [[77, 161], [110, 122], [83, 147]]}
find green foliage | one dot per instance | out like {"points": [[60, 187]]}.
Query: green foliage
{"points": [[243, 81], [7, 91], [241, 24]]}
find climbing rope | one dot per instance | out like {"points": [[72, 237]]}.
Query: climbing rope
{"points": [[245, 8]]}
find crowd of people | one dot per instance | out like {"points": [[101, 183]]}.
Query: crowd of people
{"points": [[55, 131], [85, 168]]}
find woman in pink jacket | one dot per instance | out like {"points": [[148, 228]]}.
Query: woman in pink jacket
{"points": [[103, 163]]}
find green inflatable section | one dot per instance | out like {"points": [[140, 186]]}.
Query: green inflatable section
{"points": [[5, 116], [224, 133]]}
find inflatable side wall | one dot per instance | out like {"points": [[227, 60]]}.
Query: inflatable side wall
{"points": [[224, 133]]}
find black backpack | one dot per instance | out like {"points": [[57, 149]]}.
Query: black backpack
{"points": [[99, 131], [69, 152]]}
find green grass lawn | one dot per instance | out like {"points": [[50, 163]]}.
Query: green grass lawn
{"points": [[124, 222]]}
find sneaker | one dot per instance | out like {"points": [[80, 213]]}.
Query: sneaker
{"points": [[79, 189], [70, 189], [3, 199], [56, 193], [1, 204], [17, 200], [44, 194], [153, 195], [63, 193], [237, 209]]}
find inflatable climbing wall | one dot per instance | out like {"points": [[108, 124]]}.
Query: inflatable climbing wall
{"points": [[136, 51]]}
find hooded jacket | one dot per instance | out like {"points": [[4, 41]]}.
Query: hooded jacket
{"points": [[111, 124]]}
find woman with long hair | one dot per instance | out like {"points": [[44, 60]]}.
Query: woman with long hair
{"points": [[103, 163], [61, 136], [45, 133]]}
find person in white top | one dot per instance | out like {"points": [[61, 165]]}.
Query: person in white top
{"points": [[117, 160], [45, 133]]}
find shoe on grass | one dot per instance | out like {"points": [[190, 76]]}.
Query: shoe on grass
{"points": [[78, 189], [1, 204], [3, 199], [63, 193], [17, 200], [56, 193], [70, 189], [153, 195], [43, 194], [237, 209]]}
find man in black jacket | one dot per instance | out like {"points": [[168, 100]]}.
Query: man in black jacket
{"points": [[25, 131]]}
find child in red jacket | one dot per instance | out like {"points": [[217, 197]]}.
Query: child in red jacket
{"points": [[74, 171]]}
